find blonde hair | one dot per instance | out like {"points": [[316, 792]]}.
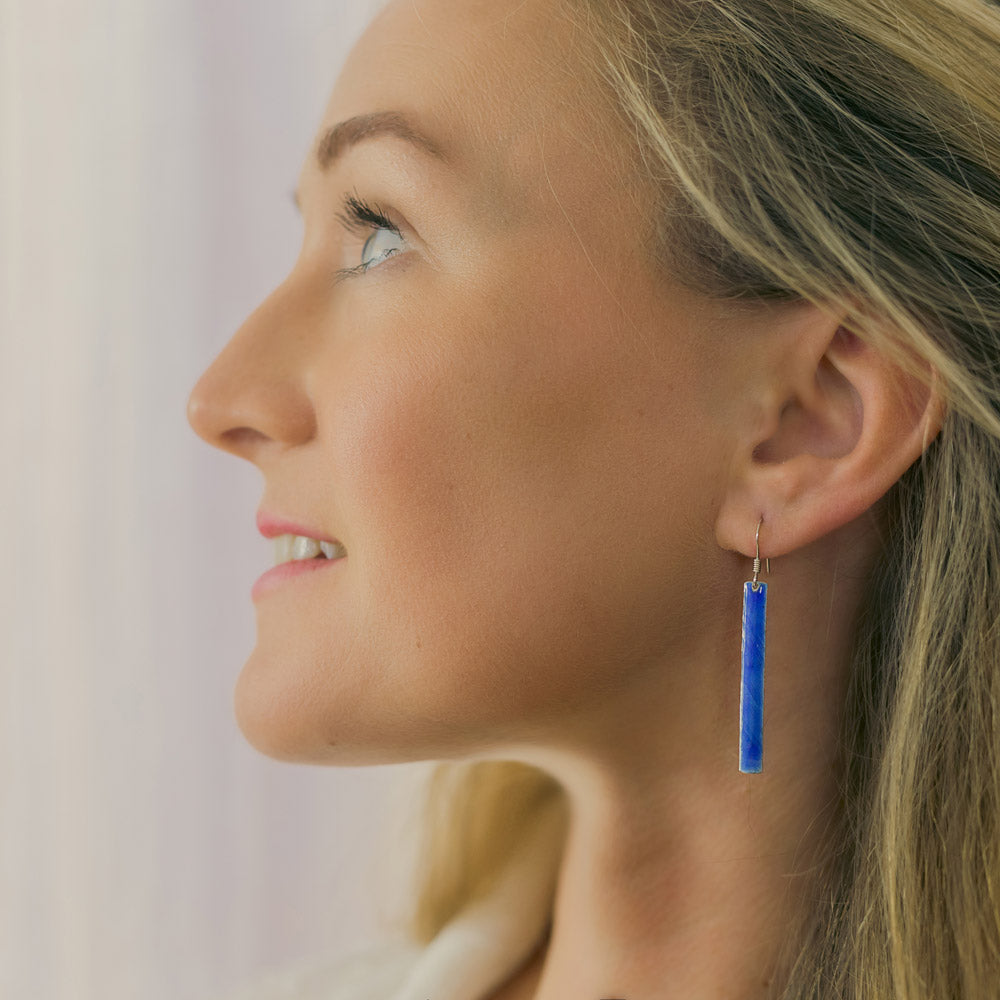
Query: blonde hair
{"points": [[846, 153]]}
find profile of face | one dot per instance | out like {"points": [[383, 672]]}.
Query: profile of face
{"points": [[475, 380]]}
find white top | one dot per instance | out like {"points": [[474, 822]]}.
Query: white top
{"points": [[469, 959]]}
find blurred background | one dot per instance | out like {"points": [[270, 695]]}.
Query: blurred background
{"points": [[148, 150]]}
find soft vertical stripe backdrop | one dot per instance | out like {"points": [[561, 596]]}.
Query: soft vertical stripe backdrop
{"points": [[147, 154]]}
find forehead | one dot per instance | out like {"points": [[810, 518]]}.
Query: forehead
{"points": [[497, 84]]}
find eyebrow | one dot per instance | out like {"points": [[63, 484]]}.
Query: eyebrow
{"points": [[339, 138]]}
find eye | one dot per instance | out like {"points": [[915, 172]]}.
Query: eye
{"points": [[361, 218], [375, 244]]}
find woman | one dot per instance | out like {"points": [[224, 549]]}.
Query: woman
{"points": [[598, 300]]}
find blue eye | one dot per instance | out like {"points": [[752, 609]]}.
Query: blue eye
{"points": [[374, 245], [360, 217]]}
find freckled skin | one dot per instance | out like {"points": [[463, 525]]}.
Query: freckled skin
{"points": [[496, 421]]}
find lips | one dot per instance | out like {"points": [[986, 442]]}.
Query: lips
{"points": [[272, 525], [297, 569]]}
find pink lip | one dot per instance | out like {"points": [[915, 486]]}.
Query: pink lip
{"points": [[270, 527], [277, 575]]}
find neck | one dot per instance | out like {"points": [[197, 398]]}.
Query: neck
{"points": [[680, 893], [682, 877]]}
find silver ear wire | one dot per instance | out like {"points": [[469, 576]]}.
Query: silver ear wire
{"points": [[752, 670], [755, 583]]}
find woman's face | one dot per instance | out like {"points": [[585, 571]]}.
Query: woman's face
{"points": [[496, 418]]}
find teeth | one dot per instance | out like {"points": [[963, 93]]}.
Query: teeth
{"points": [[304, 548], [288, 547]]}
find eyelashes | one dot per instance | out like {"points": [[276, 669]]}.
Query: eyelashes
{"points": [[358, 216], [361, 218]]}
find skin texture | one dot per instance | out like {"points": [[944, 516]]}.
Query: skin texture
{"points": [[547, 461]]}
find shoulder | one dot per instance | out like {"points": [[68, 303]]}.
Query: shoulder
{"points": [[372, 973]]}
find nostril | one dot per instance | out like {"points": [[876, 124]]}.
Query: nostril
{"points": [[238, 439]]}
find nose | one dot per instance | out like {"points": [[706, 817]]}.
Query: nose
{"points": [[253, 397]]}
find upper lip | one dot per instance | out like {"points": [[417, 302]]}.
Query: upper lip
{"points": [[272, 525]]}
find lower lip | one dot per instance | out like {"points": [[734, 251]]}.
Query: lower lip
{"points": [[277, 575]]}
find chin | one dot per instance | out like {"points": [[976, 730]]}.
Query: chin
{"points": [[279, 713], [268, 724], [283, 721]]}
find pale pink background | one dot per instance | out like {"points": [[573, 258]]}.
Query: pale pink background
{"points": [[147, 155]]}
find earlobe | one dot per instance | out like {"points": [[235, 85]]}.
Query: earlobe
{"points": [[846, 422]]}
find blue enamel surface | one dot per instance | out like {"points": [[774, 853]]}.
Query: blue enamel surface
{"points": [[752, 679]]}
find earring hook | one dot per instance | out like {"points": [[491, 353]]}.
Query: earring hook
{"points": [[755, 583]]}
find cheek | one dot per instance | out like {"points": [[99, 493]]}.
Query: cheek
{"points": [[508, 491]]}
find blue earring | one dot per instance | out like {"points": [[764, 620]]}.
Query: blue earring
{"points": [[752, 678]]}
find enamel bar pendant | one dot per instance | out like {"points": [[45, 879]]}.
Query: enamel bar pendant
{"points": [[752, 681], [752, 677]]}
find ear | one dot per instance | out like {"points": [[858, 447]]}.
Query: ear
{"points": [[837, 424]]}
